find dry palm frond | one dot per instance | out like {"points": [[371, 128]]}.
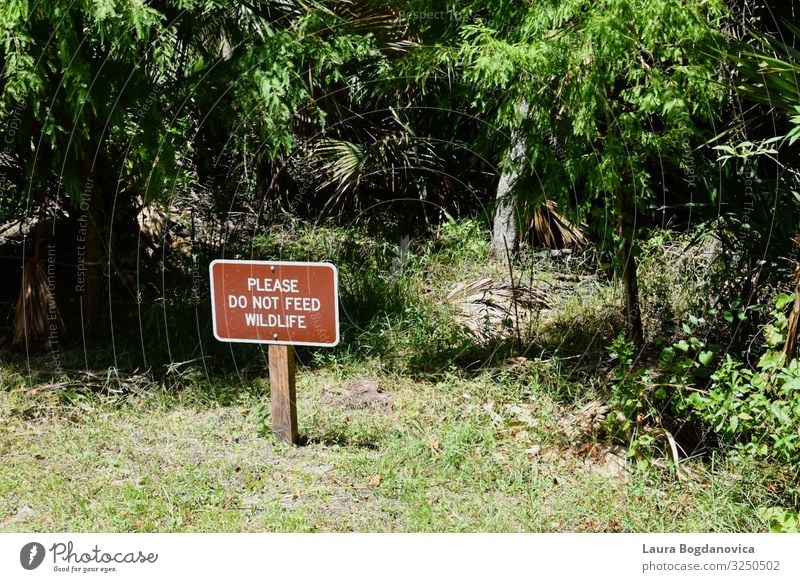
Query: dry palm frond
{"points": [[487, 307], [365, 16], [550, 229], [36, 308], [793, 329]]}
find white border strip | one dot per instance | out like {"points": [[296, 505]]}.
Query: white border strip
{"points": [[375, 557]]}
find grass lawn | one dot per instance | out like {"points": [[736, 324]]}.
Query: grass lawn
{"points": [[381, 453]]}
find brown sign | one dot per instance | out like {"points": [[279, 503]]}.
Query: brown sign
{"points": [[270, 302]]}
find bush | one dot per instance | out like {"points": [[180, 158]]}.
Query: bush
{"points": [[675, 275], [754, 411], [758, 411]]}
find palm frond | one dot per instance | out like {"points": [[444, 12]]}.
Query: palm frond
{"points": [[768, 72], [381, 155], [549, 228]]}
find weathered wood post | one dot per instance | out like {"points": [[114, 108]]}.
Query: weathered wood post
{"points": [[282, 389]]}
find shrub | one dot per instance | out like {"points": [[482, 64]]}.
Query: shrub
{"points": [[753, 411], [757, 411]]}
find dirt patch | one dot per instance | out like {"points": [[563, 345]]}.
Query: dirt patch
{"points": [[360, 394]]}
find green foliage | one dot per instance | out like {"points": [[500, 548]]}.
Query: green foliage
{"points": [[145, 98], [689, 359], [768, 69], [462, 241], [758, 411], [765, 68], [634, 400], [755, 412], [456, 250], [677, 272], [613, 87], [780, 519], [613, 102], [387, 309]]}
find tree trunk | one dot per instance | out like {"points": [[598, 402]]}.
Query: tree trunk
{"points": [[504, 232], [91, 301], [627, 262], [790, 347]]}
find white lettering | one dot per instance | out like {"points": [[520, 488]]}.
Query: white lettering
{"points": [[237, 301], [301, 303]]}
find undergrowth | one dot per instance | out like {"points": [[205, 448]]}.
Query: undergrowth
{"points": [[686, 395]]}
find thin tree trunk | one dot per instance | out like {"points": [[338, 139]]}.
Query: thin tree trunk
{"points": [[627, 261], [504, 231], [625, 207], [92, 295], [790, 347]]}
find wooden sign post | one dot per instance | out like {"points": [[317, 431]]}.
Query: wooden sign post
{"points": [[282, 304], [284, 401]]}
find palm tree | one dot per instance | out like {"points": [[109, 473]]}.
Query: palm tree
{"points": [[768, 72]]}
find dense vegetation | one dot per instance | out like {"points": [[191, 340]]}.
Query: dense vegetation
{"points": [[595, 202]]}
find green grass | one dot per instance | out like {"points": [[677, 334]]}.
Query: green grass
{"points": [[459, 454], [471, 439]]}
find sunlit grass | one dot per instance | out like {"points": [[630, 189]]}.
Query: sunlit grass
{"points": [[450, 455]]}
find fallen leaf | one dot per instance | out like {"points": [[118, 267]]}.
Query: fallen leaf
{"points": [[489, 408], [22, 514], [522, 435], [534, 451]]}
